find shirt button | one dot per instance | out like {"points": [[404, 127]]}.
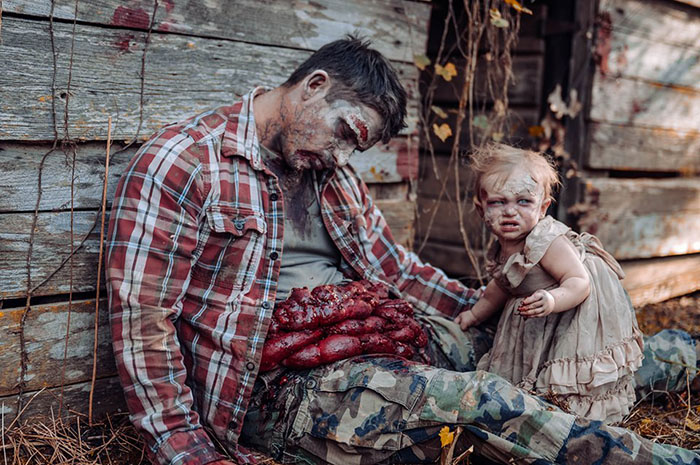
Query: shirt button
{"points": [[274, 197], [250, 366], [232, 425], [239, 223], [310, 383], [266, 305], [274, 256]]}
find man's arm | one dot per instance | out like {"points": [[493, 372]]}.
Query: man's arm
{"points": [[425, 286], [153, 233]]}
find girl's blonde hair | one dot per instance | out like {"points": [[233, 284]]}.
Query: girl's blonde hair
{"points": [[499, 161]]}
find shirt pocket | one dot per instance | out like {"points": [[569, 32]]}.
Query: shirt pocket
{"points": [[233, 247]]}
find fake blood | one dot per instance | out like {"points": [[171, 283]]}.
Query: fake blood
{"points": [[332, 323]]}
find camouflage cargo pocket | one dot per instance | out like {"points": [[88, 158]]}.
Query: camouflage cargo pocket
{"points": [[362, 402]]}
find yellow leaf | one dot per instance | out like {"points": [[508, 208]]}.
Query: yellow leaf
{"points": [[536, 131], [447, 72], [443, 131], [496, 18], [497, 136], [421, 61], [691, 424], [446, 436], [518, 6], [439, 111]]}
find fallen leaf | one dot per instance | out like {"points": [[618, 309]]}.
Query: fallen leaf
{"points": [[447, 72], [439, 111], [443, 131], [517, 6], [481, 122], [421, 61], [496, 18], [690, 424], [446, 436], [497, 136]]}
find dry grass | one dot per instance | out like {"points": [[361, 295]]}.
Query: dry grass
{"points": [[670, 418]]}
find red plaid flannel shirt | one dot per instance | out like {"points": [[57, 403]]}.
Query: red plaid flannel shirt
{"points": [[195, 236]]}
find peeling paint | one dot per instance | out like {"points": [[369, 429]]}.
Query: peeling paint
{"points": [[131, 17]]}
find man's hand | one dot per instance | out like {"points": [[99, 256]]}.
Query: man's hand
{"points": [[538, 305], [466, 319]]}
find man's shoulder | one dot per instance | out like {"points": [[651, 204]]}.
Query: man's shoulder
{"points": [[208, 124]]}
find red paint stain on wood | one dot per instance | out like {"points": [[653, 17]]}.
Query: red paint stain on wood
{"points": [[123, 42], [407, 157], [131, 17], [603, 45]]}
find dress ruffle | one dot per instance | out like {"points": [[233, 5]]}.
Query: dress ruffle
{"points": [[585, 356]]}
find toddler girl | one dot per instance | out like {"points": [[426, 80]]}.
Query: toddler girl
{"points": [[567, 328]]}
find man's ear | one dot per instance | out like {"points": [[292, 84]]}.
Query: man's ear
{"points": [[318, 82]]}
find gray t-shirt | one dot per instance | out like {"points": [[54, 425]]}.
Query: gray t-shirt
{"points": [[309, 256]]}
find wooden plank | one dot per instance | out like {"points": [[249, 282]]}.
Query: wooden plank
{"points": [[524, 90], [397, 28], [400, 216], [430, 184], [452, 259], [637, 57], [394, 162], [51, 247], [658, 279], [642, 218], [45, 332], [108, 399], [638, 103], [643, 149], [105, 79], [446, 222], [657, 21]]}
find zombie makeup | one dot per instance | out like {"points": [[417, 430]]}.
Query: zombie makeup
{"points": [[512, 206]]}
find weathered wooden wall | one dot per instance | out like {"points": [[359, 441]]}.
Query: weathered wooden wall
{"points": [[438, 228], [641, 190], [636, 66], [199, 55]]}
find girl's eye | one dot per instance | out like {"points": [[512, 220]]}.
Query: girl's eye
{"points": [[524, 201], [494, 202]]}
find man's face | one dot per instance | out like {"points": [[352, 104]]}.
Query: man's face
{"points": [[320, 135]]}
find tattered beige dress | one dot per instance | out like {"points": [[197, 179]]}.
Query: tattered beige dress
{"points": [[586, 356]]}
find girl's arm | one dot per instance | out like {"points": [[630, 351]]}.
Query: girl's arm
{"points": [[562, 262], [490, 302]]}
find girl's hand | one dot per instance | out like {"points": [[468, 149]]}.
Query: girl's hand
{"points": [[466, 319], [538, 305]]}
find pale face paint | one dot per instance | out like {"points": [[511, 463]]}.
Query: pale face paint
{"points": [[513, 207], [320, 135]]}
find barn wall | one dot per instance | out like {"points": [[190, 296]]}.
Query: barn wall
{"points": [[65, 71], [440, 230], [640, 191]]}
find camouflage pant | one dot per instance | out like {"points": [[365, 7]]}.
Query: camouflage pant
{"points": [[378, 409]]}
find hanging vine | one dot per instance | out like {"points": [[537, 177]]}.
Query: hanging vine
{"points": [[485, 37]]}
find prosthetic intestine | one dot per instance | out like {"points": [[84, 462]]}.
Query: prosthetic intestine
{"points": [[334, 322]]}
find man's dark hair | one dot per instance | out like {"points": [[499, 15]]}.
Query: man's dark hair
{"points": [[365, 77]]}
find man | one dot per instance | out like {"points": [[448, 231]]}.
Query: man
{"points": [[218, 217]]}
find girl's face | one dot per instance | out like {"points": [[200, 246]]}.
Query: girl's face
{"points": [[513, 207]]}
